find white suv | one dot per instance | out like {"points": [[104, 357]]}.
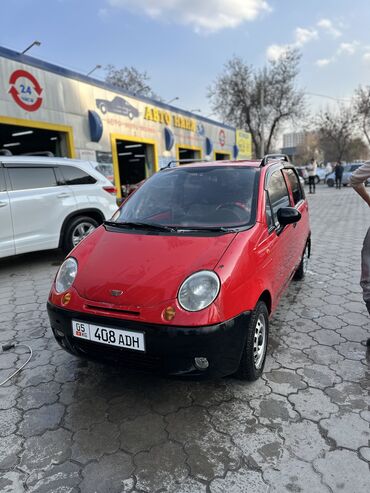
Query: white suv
{"points": [[50, 203]]}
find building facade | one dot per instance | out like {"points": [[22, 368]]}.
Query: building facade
{"points": [[46, 109]]}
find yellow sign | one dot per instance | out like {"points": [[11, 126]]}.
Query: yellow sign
{"points": [[156, 115], [244, 143], [161, 116]]}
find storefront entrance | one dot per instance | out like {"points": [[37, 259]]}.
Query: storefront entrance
{"points": [[188, 153], [222, 156], [23, 137], [134, 160]]}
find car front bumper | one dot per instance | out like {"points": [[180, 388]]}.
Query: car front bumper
{"points": [[169, 349]]}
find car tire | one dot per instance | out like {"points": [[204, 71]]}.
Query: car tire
{"points": [[255, 349], [302, 268], [76, 230], [330, 182], [317, 180], [103, 109]]}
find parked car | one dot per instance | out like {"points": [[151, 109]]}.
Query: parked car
{"points": [[50, 203], [184, 277], [347, 171], [118, 105]]}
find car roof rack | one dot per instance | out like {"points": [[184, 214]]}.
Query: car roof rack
{"points": [[184, 161], [277, 157]]}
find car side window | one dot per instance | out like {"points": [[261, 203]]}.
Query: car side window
{"points": [[294, 185], [75, 176], [269, 219], [26, 178], [278, 194], [2, 181]]}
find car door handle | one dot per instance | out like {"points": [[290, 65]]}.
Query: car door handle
{"points": [[3, 204], [63, 195]]}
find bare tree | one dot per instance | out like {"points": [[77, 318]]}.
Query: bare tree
{"points": [[361, 105], [130, 79], [336, 131], [237, 93]]}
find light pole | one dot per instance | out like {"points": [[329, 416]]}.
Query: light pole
{"points": [[35, 43], [262, 103], [92, 70], [176, 98]]}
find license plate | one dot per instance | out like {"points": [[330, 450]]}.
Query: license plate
{"points": [[106, 335]]}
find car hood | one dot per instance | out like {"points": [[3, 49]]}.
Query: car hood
{"points": [[147, 268]]}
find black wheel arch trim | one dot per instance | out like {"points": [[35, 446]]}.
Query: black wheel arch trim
{"points": [[92, 212]]}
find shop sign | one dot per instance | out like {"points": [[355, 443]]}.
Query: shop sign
{"points": [[165, 117], [244, 143], [25, 90]]}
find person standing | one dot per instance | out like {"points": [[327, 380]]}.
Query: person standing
{"points": [[338, 175], [357, 181], [312, 170]]}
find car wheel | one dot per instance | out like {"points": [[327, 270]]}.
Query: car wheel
{"points": [[255, 348], [77, 230], [330, 182], [317, 180], [130, 115], [103, 109], [303, 265]]}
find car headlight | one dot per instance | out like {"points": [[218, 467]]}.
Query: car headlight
{"points": [[66, 275], [199, 290]]}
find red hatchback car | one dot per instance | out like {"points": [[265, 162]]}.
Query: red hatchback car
{"points": [[186, 274]]}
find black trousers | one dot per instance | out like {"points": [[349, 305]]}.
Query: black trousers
{"points": [[311, 183], [338, 182]]}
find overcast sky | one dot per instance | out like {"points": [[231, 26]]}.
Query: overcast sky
{"points": [[183, 44]]}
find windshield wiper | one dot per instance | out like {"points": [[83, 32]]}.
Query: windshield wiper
{"points": [[140, 225], [217, 229]]}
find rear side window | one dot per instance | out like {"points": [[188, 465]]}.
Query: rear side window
{"points": [[278, 193], [29, 178], [75, 176], [294, 185]]}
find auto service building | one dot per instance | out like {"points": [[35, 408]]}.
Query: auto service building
{"points": [[47, 109]]}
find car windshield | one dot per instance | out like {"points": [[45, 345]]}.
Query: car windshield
{"points": [[195, 198]]}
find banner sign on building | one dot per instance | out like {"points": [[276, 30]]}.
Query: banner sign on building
{"points": [[244, 143]]}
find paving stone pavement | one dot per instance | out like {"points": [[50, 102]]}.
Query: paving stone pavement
{"points": [[68, 425]]}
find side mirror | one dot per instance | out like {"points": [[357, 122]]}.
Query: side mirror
{"points": [[288, 215]]}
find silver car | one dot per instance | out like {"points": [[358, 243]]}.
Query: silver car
{"points": [[347, 171]]}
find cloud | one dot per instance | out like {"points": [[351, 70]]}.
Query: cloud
{"points": [[323, 62], [274, 52], [303, 35], [366, 57], [348, 48], [327, 25], [209, 16]]}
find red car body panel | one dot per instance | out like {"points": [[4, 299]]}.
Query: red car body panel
{"points": [[150, 268]]}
